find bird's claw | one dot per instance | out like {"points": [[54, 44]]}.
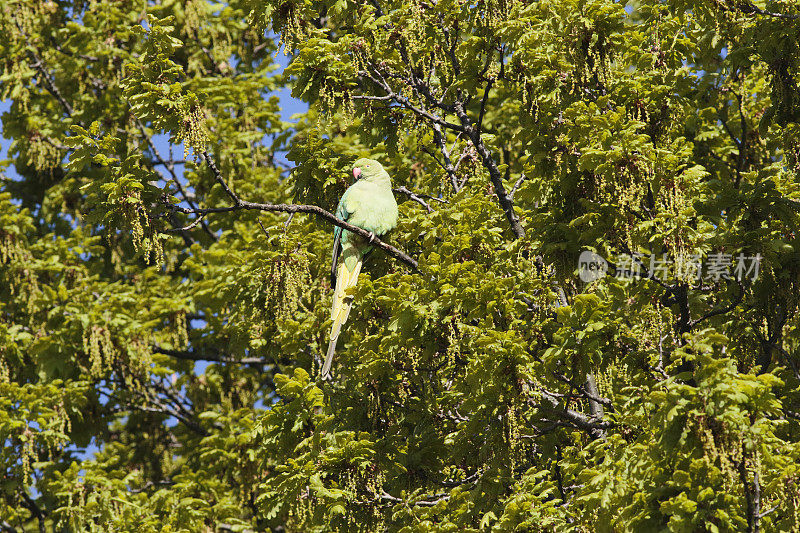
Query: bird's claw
{"points": [[371, 237]]}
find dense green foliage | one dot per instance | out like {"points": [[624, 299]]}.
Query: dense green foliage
{"points": [[491, 388]]}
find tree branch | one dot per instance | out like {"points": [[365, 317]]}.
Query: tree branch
{"points": [[405, 102], [429, 502], [189, 355], [596, 428], [720, 311], [749, 8], [243, 205], [438, 138], [516, 186], [49, 84], [466, 126], [170, 166], [35, 510], [484, 100], [752, 498], [418, 197], [494, 173]]}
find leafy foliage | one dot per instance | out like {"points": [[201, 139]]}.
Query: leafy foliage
{"points": [[163, 311]]}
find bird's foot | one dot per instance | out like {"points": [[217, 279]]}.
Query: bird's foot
{"points": [[371, 237]]}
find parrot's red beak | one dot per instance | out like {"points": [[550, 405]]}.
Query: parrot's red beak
{"points": [[356, 172]]}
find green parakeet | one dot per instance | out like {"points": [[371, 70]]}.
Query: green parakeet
{"points": [[369, 204]]}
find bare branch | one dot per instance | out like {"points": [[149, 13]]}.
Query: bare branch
{"points": [[752, 495], [484, 100], [204, 356], [466, 126], [8, 528], [418, 197], [387, 98], [150, 485], [49, 83], [193, 225], [430, 501], [494, 173], [516, 186], [576, 419], [405, 102], [159, 408], [749, 8], [721, 310], [170, 166], [438, 138], [218, 177], [242, 205], [35, 510], [57, 145], [768, 511]]}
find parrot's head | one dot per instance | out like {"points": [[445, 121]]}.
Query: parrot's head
{"points": [[369, 170]]}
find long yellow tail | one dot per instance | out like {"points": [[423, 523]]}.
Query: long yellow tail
{"points": [[342, 302]]}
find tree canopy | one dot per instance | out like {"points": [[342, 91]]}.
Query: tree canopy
{"points": [[165, 244]]}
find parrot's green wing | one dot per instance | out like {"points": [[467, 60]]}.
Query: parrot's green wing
{"points": [[344, 214]]}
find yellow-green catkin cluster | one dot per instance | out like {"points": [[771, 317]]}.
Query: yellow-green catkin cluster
{"points": [[50, 438], [21, 278], [415, 34], [99, 348], [23, 17], [650, 329], [291, 24], [675, 201], [500, 11], [512, 432], [193, 131], [591, 62], [43, 155], [22, 21], [140, 357], [301, 514], [194, 12], [628, 184], [453, 342], [285, 282], [363, 486], [144, 237], [28, 451], [10, 250], [180, 330], [722, 448]]}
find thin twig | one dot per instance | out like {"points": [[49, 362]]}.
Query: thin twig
{"points": [[429, 502], [204, 356], [516, 186], [418, 197], [218, 177], [266, 233], [438, 138], [720, 311], [193, 225]]}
